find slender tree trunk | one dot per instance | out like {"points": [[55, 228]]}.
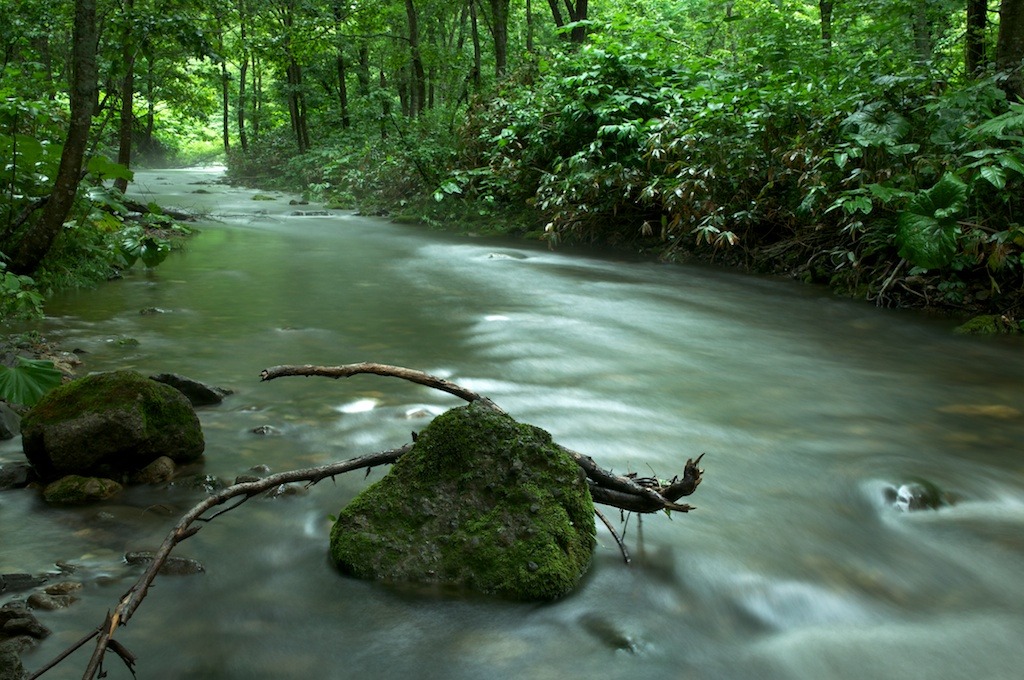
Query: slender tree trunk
{"points": [[41, 44], [385, 105], [225, 95], [556, 13], [825, 10], [922, 30], [146, 144], [1010, 47], [974, 42], [417, 81], [363, 72], [27, 253], [257, 95], [127, 123], [499, 33], [346, 120], [475, 31], [529, 27], [577, 12], [243, 72]]}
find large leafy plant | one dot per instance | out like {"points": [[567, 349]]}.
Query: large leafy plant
{"points": [[28, 380], [927, 230]]}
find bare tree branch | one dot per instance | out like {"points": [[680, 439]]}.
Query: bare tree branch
{"points": [[608, 488], [348, 370], [183, 529]]}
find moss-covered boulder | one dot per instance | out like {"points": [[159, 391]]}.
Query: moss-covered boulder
{"points": [[989, 324], [481, 502], [109, 425]]}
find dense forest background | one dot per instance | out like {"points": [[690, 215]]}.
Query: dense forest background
{"points": [[877, 146]]}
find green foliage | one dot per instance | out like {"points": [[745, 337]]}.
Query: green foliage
{"points": [[27, 381], [137, 244], [928, 229], [730, 131], [18, 295]]}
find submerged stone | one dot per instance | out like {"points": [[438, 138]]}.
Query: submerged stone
{"points": [[75, 489], [109, 424], [481, 502]]}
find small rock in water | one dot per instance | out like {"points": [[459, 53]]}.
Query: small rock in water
{"points": [[607, 633], [264, 430], [159, 471], [78, 489], [50, 602], [919, 495], [198, 393], [172, 566], [14, 582]]}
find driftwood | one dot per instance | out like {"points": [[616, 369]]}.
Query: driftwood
{"points": [[643, 495], [623, 492]]}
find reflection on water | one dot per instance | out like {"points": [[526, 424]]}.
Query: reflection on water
{"points": [[794, 565]]}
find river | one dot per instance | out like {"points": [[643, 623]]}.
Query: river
{"points": [[796, 563]]}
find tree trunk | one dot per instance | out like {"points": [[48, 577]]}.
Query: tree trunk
{"points": [[363, 72], [33, 247], [475, 29], [825, 10], [529, 27], [385, 105], [556, 13], [346, 120], [577, 12], [1010, 47], [146, 145], [418, 78], [225, 95], [974, 40], [243, 72], [922, 30], [257, 95], [127, 123], [499, 34]]}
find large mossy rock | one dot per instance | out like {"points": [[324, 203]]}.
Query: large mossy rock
{"points": [[482, 502], [108, 425]]}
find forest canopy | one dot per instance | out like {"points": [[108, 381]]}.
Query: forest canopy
{"points": [[877, 147]]}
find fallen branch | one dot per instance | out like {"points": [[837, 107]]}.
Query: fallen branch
{"points": [[348, 370], [608, 488], [131, 600]]}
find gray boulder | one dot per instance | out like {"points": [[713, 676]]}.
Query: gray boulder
{"points": [[200, 394], [109, 425], [10, 422]]}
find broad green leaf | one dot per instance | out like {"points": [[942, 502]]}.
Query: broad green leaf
{"points": [[107, 169], [27, 382], [927, 230], [995, 175], [1011, 162]]}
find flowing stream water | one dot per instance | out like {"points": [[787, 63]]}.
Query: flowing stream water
{"points": [[811, 409]]}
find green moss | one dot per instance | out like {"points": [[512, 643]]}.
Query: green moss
{"points": [[988, 324], [75, 490], [119, 420], [482, 502]]}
